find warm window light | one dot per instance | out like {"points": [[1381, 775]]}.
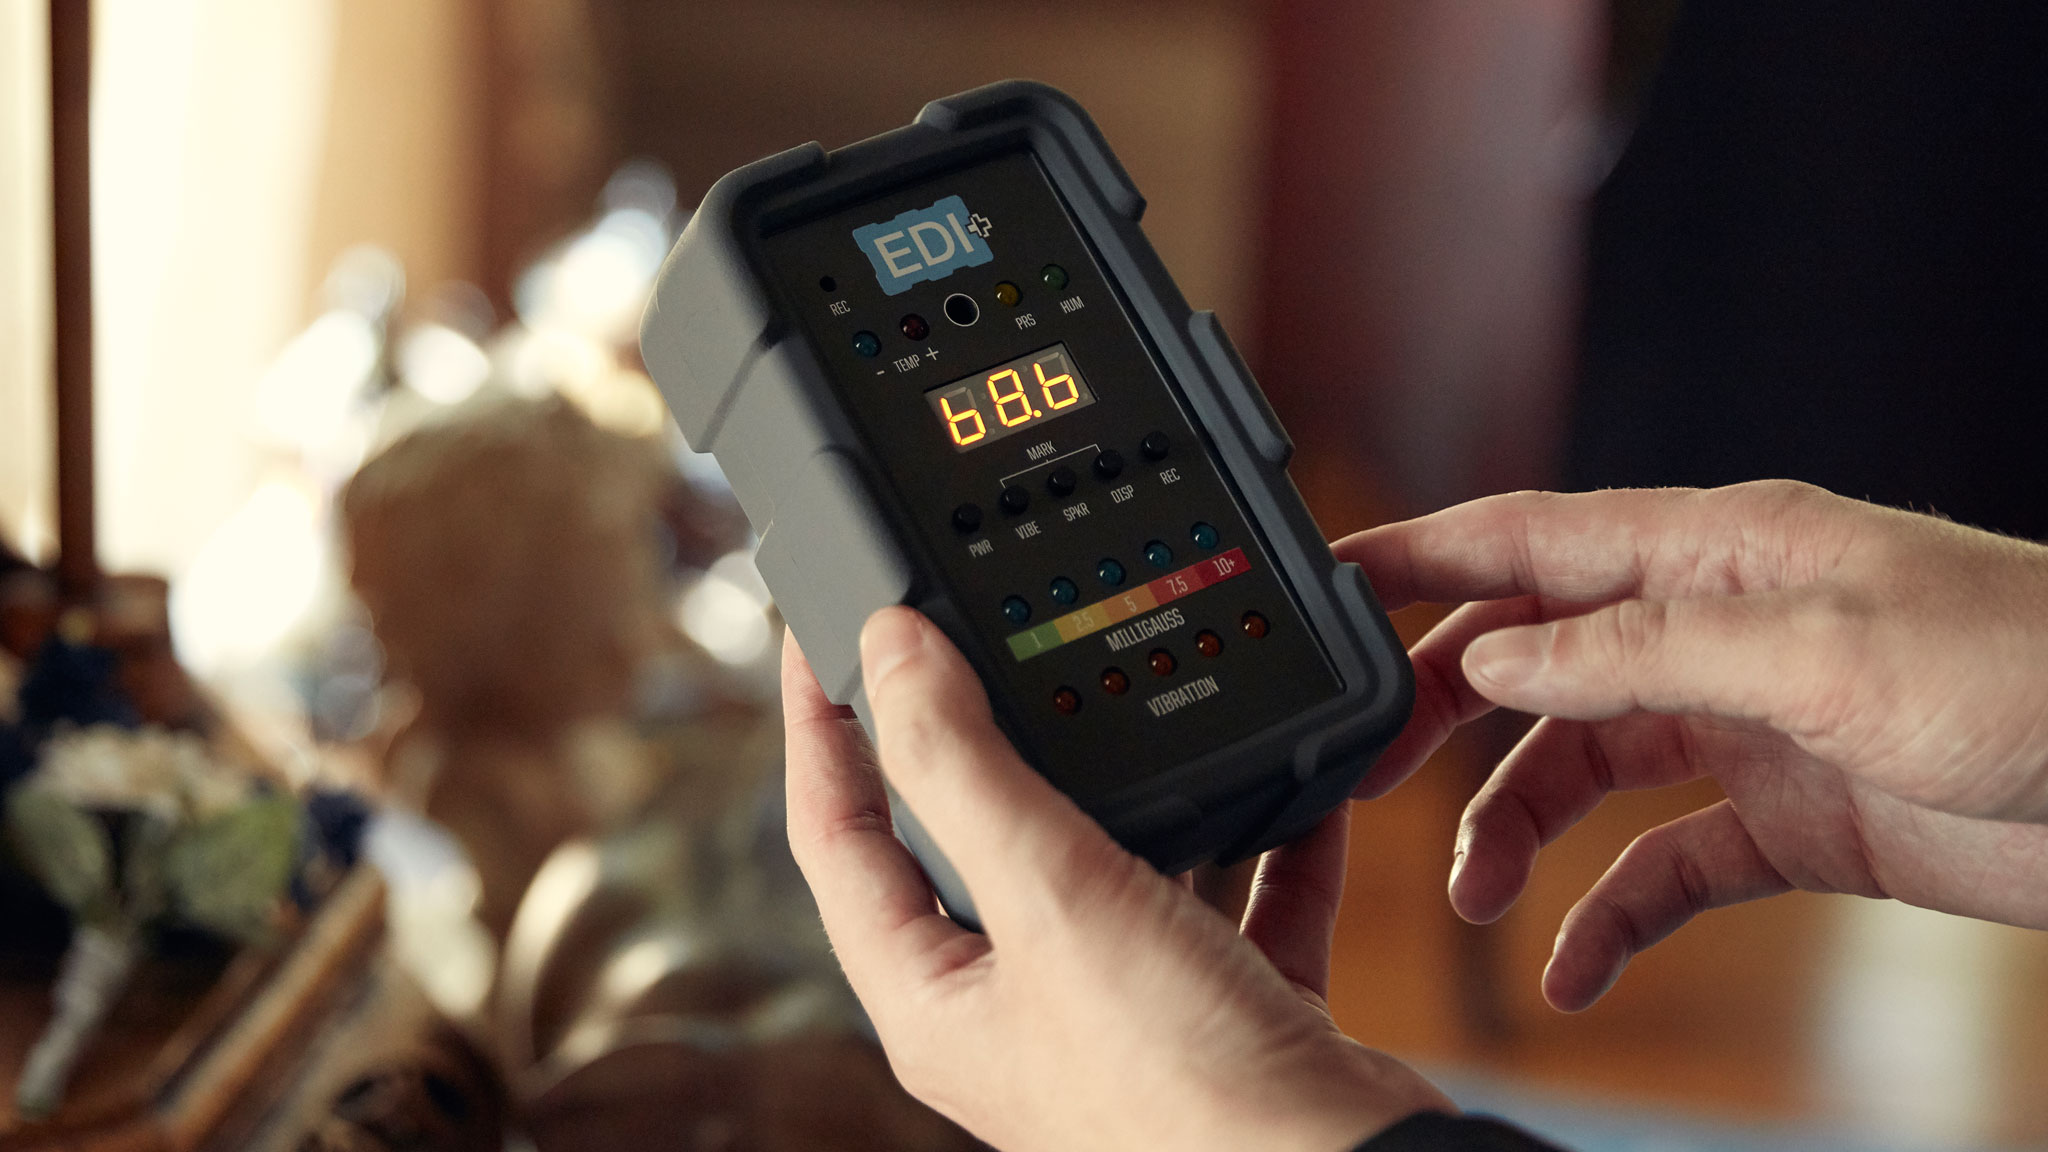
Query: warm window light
{"points": [[726, 611], [252, 583], [318, 380], [597, 283], [441, 364]]}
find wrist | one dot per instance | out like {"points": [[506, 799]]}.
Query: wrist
{"points": [[1334, 1106]]}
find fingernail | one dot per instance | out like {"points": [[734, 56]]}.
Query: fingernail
{"points": [[1457, 866], [1508, 658], [890, 637]]}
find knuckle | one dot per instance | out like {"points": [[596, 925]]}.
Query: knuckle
{"points": [[1631, 631], [910, 738], [1836, 628], [1663, 861], [1622, 923], [1094, 878], [1769, 497], [895, 690]]}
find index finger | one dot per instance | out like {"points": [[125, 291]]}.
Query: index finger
{"points": [[1591, 547]]}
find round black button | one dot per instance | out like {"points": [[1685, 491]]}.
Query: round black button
{"points": [[967, 517], [961, 309], [1155, 446], [1014, 500], [1108, 464], [1061, 482]]}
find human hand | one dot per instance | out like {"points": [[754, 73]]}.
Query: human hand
{"points": [[1106, 1007], [1869, 687]]}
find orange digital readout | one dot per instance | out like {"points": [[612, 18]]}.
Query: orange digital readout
{"points": [[1010, 397]]}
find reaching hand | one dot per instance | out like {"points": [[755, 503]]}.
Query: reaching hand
{"points": [[1106, 1007], [1869, 687]]}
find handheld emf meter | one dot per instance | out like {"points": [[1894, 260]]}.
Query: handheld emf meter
{"points": [[943, 367]]}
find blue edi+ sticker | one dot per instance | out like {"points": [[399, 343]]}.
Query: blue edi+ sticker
{"points": [[924, 244]]}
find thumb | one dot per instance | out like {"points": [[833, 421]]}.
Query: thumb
{"points": [[1766, 657], [1015, 839]]}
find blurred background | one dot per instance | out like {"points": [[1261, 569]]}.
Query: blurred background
{"points": [[363, 489]]}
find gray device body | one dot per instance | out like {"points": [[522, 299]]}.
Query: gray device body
{"points": [[1255, 729]]}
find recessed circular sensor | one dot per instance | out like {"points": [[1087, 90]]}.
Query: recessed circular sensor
{"points": [[961, 309]]}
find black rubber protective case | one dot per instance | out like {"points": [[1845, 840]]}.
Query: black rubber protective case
{"points": [[755, 374]]}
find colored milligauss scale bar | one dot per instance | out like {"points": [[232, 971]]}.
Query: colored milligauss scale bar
{"points": [[1124, 605]]}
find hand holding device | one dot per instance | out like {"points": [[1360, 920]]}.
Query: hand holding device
{"points": [[1869, 687], [1106, 1006]]}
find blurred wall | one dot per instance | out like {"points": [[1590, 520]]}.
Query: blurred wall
{"points": [[1177, 88], [1422, 237], [206, 121], [27, 518], [239, 145], [400, 157]]}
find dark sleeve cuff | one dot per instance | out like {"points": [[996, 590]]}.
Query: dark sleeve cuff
{"points": [[1436, 1132]]}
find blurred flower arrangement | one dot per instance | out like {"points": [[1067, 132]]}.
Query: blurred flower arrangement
{"points": [[134, 830], [127, 831]]}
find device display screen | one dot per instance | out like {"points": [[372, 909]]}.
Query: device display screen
{"points": [[1014, 396]]}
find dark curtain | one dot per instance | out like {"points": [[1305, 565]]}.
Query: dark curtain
{"points": [[1824, 255]]}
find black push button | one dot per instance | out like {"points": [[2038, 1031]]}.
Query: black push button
{"points": [[966, 518], [1061, 482], [1109, 464], [1155, 446], [1014, 501]]}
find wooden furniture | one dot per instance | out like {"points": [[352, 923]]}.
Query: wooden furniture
{"points": [[194, 1052]]}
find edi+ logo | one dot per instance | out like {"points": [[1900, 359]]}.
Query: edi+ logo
{"points": [[924, 244]]}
